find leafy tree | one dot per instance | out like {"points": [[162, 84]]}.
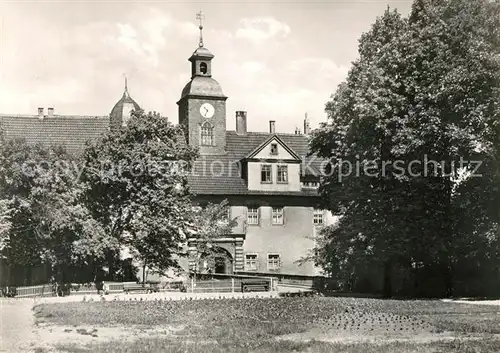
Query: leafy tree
{"points": [[424, 88], [135, 185], [47, 223], [5, 225], [211, 222]]}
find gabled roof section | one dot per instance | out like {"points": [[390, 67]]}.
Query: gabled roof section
{"points": [[276, 138], [222, 175]]}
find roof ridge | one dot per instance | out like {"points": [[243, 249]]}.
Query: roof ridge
{"points": [[3, 115], [267, 133]]}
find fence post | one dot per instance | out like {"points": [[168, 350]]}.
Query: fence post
{"points": [[192, 285], [232, 285]]}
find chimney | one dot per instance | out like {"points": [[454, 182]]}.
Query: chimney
{"points": [[40, 113], [50, 111], [307, 127], [241, 122], [297, 131], [272, 126]]}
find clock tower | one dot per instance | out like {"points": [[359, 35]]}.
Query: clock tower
{"points": [[202, 107]]}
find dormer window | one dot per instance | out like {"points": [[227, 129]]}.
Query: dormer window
{"points": [[203, 68], [282, 174], [207, 134], [274, 149], [266, 174]]}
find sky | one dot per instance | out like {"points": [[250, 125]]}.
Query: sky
{"points": [[276, 60]]}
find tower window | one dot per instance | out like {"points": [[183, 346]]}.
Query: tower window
{"points": [[207, 134], [203, 68]]}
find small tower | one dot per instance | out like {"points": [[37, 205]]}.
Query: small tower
{"points": [[202, 107], [121, 112]]}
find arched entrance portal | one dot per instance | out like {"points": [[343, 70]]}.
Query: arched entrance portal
{"points": [[219, 261]]}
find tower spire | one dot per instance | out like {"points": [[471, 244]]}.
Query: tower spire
{"points": [[125, 92], [201, 16]]}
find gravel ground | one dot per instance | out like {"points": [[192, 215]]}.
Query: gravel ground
{"points": [[16, 325], [478, 302], [17, 334]]}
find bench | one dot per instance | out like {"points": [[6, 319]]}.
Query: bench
{"points": [[253, 285], [133, 287]]}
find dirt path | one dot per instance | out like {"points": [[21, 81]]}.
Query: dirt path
{"points": [[16, 325]]}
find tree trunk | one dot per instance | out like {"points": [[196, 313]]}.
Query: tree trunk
{"points": [[387, 289], [416, 282], [448, 280], [110, 259]]}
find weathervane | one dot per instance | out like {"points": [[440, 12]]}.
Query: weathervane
{"points": [[201, 16]]}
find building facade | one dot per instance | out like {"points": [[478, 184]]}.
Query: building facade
{"points": [[268, 178]]}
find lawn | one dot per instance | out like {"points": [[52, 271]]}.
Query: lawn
{"points": [[314, 324]]}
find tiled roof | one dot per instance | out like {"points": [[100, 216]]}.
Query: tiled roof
{"points": [[70, 131], [211, 175], [220, 174]]}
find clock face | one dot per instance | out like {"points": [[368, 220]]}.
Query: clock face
{"points": [[207, 110]]}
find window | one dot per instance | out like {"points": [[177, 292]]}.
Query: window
{"points": [[265, 174], [318, 217], [253, 215], [274, 148], [277, 215], [310, 184], [203, 68], [251, 262], [273, 262], [207, 134], [282, 174]]}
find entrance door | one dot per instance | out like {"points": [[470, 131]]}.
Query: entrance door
{"points": [[220, 265]]}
